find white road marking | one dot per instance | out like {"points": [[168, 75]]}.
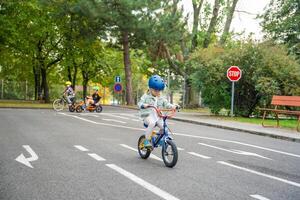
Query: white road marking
{"points": [[130, 115], [260, 174], [113, 120], [105, 124], [241, 143], [187, 135], [136, 120], [114, 115], [245, 153], [199, 155], [256, 196], [142, 183], [133, 149], [26, 161], [81, 148], [180, 149], [96, 157]]}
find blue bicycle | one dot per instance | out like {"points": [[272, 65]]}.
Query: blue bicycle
{"points": [[169, 149]]}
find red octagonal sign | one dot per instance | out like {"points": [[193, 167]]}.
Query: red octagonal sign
{"points": [[234, 73]]}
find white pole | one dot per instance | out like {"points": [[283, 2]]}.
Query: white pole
{"points": [[2, 88], [26, 90], [104, 96], [232, 99], [169, 86], [137, 93], [183, 98]]}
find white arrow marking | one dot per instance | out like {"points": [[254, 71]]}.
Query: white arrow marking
{"points": [[26, 161], [236, 151]]}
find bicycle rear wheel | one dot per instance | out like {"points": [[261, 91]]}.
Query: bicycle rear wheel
{"points": [[58, 104], [169, 153], [144, 152], [98, 108]]}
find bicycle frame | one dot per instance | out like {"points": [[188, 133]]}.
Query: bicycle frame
{"points": [[165, 135]]}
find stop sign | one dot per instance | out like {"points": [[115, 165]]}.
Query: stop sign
{"points": [[234, 73]]}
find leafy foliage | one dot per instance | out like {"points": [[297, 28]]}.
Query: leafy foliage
{"points": [[267, 70]]}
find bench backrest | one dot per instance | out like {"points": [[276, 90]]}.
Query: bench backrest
{"points": [[286, 100]]}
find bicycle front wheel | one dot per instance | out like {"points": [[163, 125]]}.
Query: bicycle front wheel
{"points": [[169, 153], [58, 104]]}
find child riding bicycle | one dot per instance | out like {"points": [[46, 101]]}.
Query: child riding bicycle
{"points": [[153, 98], [69, 93]]}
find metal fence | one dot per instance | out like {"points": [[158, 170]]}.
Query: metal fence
{"points": [[22, 90]]}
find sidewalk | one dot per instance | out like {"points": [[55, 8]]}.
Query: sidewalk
{"points": [[204, 119]]}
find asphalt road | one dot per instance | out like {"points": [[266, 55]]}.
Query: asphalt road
{"points": [[93, 156]]}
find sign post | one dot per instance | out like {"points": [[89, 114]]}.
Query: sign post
{"points": [[233, 74]]}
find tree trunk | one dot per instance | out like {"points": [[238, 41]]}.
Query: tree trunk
{"points": [[212, 24], [74, 76], [126, 56], [69, 73], [197, 9], [45, 85], [85, 81], [36, 82], [228, 22]]}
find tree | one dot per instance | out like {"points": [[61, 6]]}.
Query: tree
{"points": [[230, 12], [281, 21], [213, 24]]}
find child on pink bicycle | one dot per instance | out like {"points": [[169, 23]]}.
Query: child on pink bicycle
{"points": [[153, 98]]}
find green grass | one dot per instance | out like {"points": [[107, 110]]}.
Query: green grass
{"points": [[23, 104], [285, 123], [197, 110]]}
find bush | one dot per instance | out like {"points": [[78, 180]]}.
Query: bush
{"points": [[267, 70]]}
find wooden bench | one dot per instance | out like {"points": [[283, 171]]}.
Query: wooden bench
{"points": [[291, 101]]}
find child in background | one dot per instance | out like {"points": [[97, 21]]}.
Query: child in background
{"points": [[69, 92]]}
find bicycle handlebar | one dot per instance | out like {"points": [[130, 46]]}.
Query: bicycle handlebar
{"points": [[173, 110]]}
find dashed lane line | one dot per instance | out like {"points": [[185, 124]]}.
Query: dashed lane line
{"points": [[81, 148], [104, 124], [241, 143], [133, 149], [260, 173], [199, 155], [113, 120], [245, 153], [187, 135], [113, 115], [152, 188], [96, 157], [259, 197]]}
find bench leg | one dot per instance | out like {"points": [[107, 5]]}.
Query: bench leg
{"points": [[277, 119], [298, 128], [264, 116]]}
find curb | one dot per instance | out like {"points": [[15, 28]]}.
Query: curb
{"points": [[12, 107], [239, 129]]}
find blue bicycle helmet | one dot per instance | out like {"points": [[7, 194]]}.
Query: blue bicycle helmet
{"points": [[156, 82]]}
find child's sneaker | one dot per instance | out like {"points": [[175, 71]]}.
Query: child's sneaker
{"points": [[147, 144]]}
